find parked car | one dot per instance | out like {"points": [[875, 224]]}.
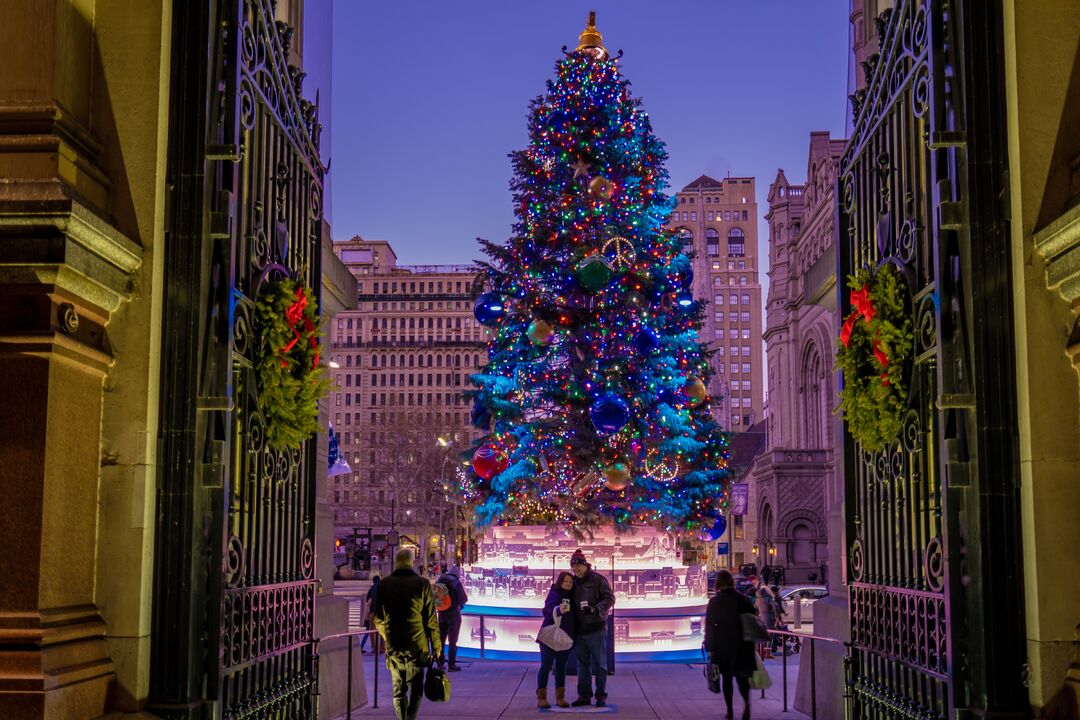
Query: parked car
{"points": [[805, 595]]}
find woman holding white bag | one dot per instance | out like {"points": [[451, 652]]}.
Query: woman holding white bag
{"points": [[556, 638]]}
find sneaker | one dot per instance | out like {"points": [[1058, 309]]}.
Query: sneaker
{"points": [[581, 701], [453, 668]]}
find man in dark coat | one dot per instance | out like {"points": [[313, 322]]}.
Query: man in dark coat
{"points": [[724, 640], [450, 619], [404, 615], [592, 601]]}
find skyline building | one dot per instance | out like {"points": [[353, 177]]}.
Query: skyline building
{"points": [[400, 365], [719, 218]]}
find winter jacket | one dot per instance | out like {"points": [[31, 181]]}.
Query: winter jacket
{"points": [[594, 590], [404, 614], [554, 599], [458, 596], [723, 633], [766, 606]]}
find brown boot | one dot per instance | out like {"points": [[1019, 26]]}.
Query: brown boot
{"points": [[541, 699], [560, 697]]}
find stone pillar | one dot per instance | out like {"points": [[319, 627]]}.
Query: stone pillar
{"points": [[65, 269]]}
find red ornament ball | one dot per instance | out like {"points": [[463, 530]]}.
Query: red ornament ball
{"points": [[488, 461]]}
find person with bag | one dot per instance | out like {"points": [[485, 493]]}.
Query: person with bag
{"points": [[733, 655], [556, 639], [449, 601], [591, 602], [766, 609], [370, 602], [404, 615]]}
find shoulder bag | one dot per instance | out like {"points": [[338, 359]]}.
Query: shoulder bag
{"points": [[753, 630], [554, 636], [436, 684]]}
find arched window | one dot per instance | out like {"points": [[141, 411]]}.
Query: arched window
{"points": [[348, 361], [712, 242], [802, 544], [717, 281], [476, 360], [438, 361], [813, 397], [685, 235], [401, 361], [393, 359], [468, 360], [736, 243]]}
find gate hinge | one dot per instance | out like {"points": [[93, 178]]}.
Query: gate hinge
{"points": [[948, 139], [950, 215], [221, 220], [230, 152], [209, 403], [956, 401]]}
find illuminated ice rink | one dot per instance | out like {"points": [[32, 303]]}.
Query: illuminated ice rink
{"points": [[659, 602]]}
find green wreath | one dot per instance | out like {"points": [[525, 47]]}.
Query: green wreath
{"points": [[875, 346], [291, 380]]}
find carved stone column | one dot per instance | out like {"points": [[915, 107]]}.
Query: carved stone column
{"points": [[64, 268]]}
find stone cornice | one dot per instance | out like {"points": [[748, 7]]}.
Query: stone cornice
{"points": [[1059, 244], [48, 237]]}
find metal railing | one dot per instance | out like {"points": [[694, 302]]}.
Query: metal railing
{"points": [[349, 682], [800, 639]]}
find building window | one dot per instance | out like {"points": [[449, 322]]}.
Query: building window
{"points": [[712, 242], [709, 215], [736, 243], [719, 316], [745, 299], [745, 215], [693, 216], [720, 349], [746, 367], [727, 216], [734, 300]]}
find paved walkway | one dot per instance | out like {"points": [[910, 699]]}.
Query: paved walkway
{"points": [[498, 690]]}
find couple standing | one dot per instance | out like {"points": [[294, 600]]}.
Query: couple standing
{"points": [[580, 602]]}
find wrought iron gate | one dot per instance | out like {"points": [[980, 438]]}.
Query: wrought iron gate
{"points": [[932, 521], [234, 585]]}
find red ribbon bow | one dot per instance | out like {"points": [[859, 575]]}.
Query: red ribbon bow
{"points": [[295, 315], [863, 304], [849, 325]]}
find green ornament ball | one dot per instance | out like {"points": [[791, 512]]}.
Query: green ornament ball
{"points": [[594, 273]]}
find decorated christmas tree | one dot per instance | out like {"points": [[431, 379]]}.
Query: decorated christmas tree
{"points": [[594, 397]]}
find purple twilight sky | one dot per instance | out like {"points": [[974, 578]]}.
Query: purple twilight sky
{"points": [[429, 97]]}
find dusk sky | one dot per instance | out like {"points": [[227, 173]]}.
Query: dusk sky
{"points": [[429, 97]]}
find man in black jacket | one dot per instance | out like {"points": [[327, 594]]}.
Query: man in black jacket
{"points": [[450, 619], [592, 601], [404, 614]]}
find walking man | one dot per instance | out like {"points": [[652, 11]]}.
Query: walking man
{"points": [[450, 617], [404, 615], [592, 600]]}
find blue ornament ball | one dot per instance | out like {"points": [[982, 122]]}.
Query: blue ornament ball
{"points": [[489, 308], [646, 340], [718, 528], [609, 413]]}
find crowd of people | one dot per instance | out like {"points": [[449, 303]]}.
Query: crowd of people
{"points": [[415, 617]]}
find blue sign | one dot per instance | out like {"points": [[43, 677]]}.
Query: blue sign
{"points": [[722, 548]]}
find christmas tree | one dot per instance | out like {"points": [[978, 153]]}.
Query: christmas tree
{"points": [[594, 397]]}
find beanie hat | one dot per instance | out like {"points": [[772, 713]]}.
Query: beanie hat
{"points": [[578, 557]]}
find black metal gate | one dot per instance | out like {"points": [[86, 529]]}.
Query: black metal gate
{"points": [[932, 521], [234, 578]]}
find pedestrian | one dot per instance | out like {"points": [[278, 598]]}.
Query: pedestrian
{"points": [[724, 640], [368, 605], [450, 618], [404, 614], [591, 601], [556, 607], [765, 603]]}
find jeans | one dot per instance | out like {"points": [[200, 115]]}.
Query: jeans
{"points": [[744, 689], [591, 652], [549, 657], [449, 629], [408, 679]]}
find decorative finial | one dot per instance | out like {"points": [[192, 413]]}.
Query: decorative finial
{"points": [[591, 41]]}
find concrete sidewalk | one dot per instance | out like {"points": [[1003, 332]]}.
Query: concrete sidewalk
{"points": [[491, 690]]}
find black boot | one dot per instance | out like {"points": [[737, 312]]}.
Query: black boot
{"points": [[582, 700], [601, 700]]}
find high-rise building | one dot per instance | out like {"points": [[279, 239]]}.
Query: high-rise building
{"points": [[401, 364], [719, 218]]}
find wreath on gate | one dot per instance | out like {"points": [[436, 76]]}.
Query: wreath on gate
{"points": [[291, 380], [875, 345]]}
